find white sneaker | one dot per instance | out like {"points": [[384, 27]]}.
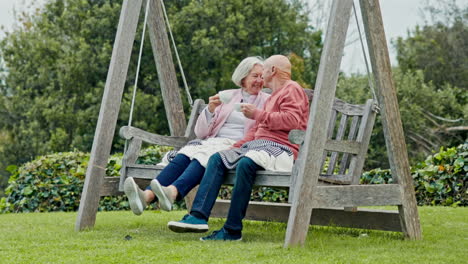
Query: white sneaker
{"points": [[136, 197], [163, 194]]}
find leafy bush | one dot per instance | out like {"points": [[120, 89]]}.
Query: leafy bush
{"points": [[55, 182], [439, 180], [377, 176], [442, 178], [52, 183]]}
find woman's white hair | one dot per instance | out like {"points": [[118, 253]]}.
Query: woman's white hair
{"points": [[244, 68]]}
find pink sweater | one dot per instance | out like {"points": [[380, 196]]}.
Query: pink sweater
{"points": [[286, 109]]}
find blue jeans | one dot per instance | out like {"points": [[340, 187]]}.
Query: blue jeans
{"points": [[211, 183], [183, 173]]}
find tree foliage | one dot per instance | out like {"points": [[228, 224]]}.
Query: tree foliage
{"points": [[440, 51], [56, 62], [440, 47], [416, 100]]}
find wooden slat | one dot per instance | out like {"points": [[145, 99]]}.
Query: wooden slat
{"points": [[363, 136], [156, 167], [143, 176], [264, 178], [130, 157], [268, 180], [343, 146], [330, 128], [357, 195], [310, 158], [391, 119], [339, 137], [351, 136], [197, 107], [336, 178], [133, 132], [110, 186], [363, 218], [147, 172], [108, 113], [348, 109]]}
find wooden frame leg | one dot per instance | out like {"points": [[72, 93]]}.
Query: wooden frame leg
{"points": [[108, 114], [391, 120], [311, 154]]}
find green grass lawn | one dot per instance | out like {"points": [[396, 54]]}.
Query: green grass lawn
{"points": [[50, 238]]}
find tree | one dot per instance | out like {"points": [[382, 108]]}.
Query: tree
{"points": [[419, 102], [439, 49], [56, 62]]}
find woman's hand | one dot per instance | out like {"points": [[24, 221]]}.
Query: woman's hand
{"points": [[213, 102], [248, 110]]}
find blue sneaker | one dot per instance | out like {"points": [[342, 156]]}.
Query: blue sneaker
{"points": [[221, 235], [189, 223]]}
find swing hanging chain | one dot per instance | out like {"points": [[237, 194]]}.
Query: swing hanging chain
{"points": [[375, 107], [132, 106], [189, 97]]}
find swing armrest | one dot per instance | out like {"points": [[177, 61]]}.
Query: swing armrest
{"points": [[127, 132], [296, 136]]}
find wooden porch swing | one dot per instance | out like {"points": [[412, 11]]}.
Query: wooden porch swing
{"points": [[317, 196]]}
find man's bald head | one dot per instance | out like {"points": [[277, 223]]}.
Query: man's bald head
{"points": [[280, 62], [277, 67]]}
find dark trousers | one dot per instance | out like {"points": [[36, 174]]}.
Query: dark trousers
{"points": [[183, 173], [211, 183]]}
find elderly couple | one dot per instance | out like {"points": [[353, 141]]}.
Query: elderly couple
{"points": [[254, 138]]}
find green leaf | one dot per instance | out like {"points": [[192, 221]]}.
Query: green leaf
{"points": [[11, 168], [27, 191]]}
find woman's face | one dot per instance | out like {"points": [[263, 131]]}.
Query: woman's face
{"points": [[253, 83]]}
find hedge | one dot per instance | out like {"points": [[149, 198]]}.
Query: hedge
{"points": [[439, 180], [54, 182]]}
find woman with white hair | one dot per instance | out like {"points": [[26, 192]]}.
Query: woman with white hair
{"points": [[218, 127]]}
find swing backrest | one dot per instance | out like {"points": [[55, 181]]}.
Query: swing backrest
{"points": [[349, 131]]}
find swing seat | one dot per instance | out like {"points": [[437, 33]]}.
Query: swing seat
{"points": [[349, 132], [347, 147]]}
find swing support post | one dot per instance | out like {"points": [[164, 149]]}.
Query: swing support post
{"points": [[108, 114], [391, 120], [166, 70]]}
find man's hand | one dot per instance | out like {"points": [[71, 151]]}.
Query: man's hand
{"points": [[248, 110], [213, 102]]}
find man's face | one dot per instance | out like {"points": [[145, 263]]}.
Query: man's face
{"points": [[267, 74]]}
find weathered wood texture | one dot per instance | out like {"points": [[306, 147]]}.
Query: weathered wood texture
{"points": [[279, 212], [391, 120], [166, 71], [108, 113], [127, 132], [311, 155], [130, 157], [197, 108], [356, 195]]}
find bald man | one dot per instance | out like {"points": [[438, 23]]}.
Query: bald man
{"points": [[265, 147]]}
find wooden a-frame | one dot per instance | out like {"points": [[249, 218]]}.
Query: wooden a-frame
{"points": [[305, 201]]}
